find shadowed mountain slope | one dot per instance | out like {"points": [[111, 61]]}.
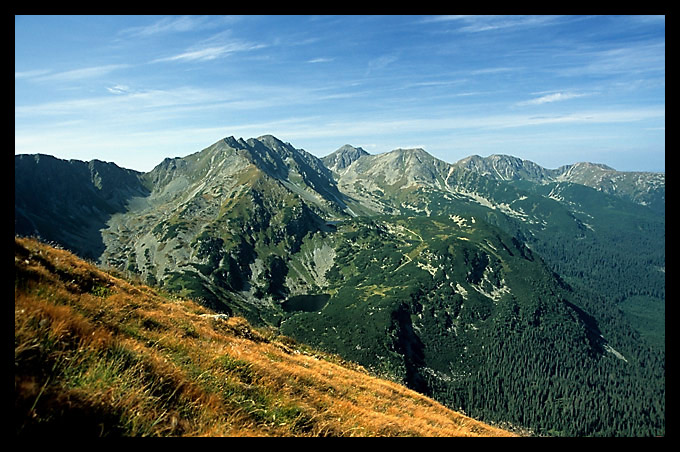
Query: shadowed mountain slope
{"points": [[69, 202]]}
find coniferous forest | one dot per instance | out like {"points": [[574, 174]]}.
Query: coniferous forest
{"points": [[527, 363]]}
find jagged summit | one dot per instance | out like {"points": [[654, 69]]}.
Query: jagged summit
{"points": [[343, 157], [232, 141], [411, 153], [399, 168]]}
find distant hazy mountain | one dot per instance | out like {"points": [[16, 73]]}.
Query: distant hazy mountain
{"points": [[646, 188], [505, 167], [492, 284]]}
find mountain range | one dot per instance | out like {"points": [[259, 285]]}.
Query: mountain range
{"points": [[514, 293]]}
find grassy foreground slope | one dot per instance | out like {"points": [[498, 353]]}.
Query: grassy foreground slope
{"points": [[95, 355]]}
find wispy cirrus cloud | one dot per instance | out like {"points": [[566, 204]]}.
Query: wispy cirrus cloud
{"points": [[320, 60], [166, 25], [381, 62], [494, 70], [216, 46], [211, 51], [118, 89], [44, 75], [175, 24], [478, 24], [610, 60], [645, 57], [30, 74], [549, 98], [127, 103], [337, 127], [133, 105]]}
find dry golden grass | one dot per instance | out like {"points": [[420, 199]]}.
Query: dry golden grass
{"points": [[96, 355]]}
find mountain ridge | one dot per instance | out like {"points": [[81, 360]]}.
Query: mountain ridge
{"points": [[595, 175], [343, 157]]}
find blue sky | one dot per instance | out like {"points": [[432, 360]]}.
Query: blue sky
{"points": [[551, 89]]}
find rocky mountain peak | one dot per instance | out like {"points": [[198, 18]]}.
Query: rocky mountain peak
{"points": [[343, 157], [271, 142], [231, 141], [411, 152], [414, 161], [567, 171], [505, 167]]}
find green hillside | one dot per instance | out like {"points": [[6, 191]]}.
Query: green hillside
{"points": [[461, 311]]}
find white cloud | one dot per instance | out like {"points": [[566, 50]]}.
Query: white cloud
{"points": [[118, 89], [320, 60], [128, 104], [78, 74], [493, 70], [634, 59], [478, 24], [549, 98], [381, 62], [166, 25], [306, 128], [209, 53], [212, 52], [443, 18], [30, 74]]}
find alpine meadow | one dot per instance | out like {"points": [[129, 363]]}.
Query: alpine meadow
{"points": [[484, 257]]}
